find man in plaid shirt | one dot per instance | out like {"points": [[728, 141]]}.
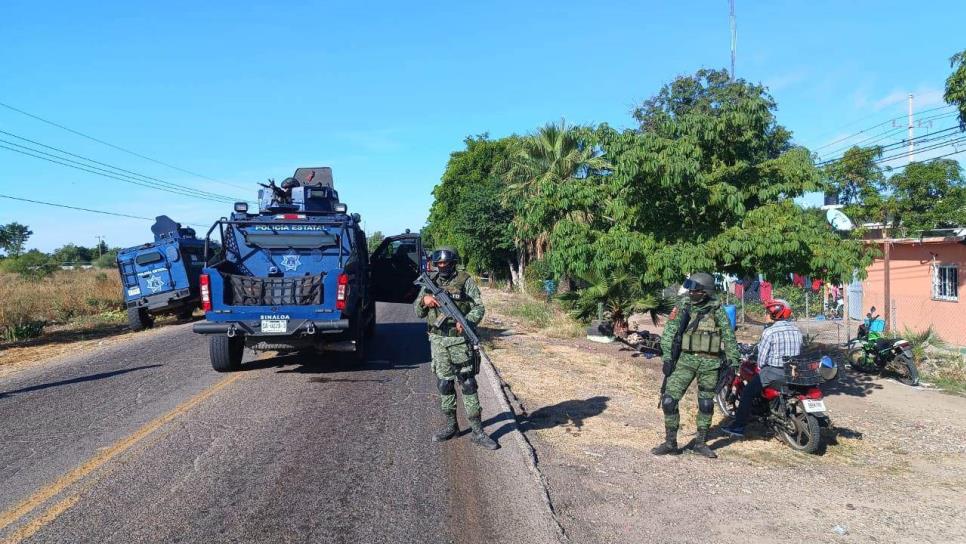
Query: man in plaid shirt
{"points": [[780, 340]]}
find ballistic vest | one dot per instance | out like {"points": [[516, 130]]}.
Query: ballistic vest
{"points": [[456, 289], [703, 334]]}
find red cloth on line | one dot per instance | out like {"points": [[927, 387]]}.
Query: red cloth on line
{"points": [[739, 290], [798, 280], [816, 285], [764, 291]]}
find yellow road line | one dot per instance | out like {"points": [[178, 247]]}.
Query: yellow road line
{"points": [[40, 521], [45, 493]]}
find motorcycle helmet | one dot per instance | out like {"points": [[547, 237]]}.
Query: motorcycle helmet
{"points": [[778, 309], [828, 369]]}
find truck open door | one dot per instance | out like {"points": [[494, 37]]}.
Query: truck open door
{"points": [[395, 264]]}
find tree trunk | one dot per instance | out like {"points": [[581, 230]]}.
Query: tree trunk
{"points": [[514, 274]]}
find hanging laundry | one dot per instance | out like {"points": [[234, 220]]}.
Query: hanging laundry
{"points": [[816, 286], [798, 281], [764, 291]]}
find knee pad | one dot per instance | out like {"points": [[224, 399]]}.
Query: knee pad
{"points": [[469, 385], [446, 387], [669, 405], [706, 406]]}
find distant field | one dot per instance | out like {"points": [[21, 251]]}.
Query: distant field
{"points": [[29, 306]]}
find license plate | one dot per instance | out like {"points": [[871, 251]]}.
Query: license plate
{"points": [[134, 291], [814, 405], [274, 325]]}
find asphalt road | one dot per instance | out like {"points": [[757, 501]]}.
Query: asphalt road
{"points": [[143, 442]]}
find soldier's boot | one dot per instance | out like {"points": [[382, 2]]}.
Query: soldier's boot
{"points": [[479, 437], [701, 447], [670, 445], [448, 431]]}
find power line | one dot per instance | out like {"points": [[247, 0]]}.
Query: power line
{"points": [[139, 175], [117, 147], [940, 145], [75, 208], [894, 169], [887, 121], [106, 173], [928, 137], [78, 208]]}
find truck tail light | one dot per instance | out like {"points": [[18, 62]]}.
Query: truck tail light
{"points": [[341, 290], [205, 284]]}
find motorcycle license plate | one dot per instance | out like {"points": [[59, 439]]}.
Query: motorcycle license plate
{"points": [[812, 406], [275, 325]]}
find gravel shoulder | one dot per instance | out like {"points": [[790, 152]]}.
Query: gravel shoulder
{"points": [[895, 470]]}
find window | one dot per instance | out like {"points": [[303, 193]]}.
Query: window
{"points": [[148, 258], [945, 282]]}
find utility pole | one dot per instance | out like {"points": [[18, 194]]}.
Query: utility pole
{"points": [[912, 145], [100, 241], [734, 37]]}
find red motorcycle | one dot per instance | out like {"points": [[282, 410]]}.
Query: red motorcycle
{"points": [[795, 410]]}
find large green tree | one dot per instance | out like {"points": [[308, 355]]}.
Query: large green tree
{"points": [[956, 86], [860, 184], [707, 182], [545, 173], [928, 195], [468, 211], [13, 238]]}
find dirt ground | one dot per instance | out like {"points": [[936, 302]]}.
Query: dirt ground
{"points": [[81, 335], [894, 470]]}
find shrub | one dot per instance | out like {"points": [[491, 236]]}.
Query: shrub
{"points": [[534, 275], [33, 264]]}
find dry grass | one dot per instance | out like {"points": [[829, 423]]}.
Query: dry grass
{"points": [[532, 315], [28, 305]]}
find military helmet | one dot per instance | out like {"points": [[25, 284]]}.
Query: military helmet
{"points": [[290, 183], [445, 254], [700, 281]]}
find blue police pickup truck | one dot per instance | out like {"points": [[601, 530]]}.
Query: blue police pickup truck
{"points": [[162, 277], [296, 275]]}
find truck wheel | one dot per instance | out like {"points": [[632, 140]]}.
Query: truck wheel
{"points": [[226, 353], [186, 313], [138, 319]]}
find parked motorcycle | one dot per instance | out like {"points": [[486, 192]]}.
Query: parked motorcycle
{"points": [[869, 352], [795, 411]]}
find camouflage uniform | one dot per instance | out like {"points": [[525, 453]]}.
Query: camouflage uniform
{"points": [[450, 350], [691, 365]]}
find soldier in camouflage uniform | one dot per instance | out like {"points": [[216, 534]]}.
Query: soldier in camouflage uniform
{"points": [[451, 353], [707, 342]]}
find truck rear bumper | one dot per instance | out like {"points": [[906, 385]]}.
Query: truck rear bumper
{"points": [[161, 302], [253, 328]]}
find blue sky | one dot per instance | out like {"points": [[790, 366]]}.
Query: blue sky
{"points": [[383, 92]]}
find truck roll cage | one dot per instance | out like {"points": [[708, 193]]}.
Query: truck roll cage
{"points": [[232, 247]]}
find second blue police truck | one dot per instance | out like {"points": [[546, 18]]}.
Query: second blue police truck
{"points": [[162, 276], [293, 276]]}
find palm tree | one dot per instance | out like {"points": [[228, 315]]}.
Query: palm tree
{"points": [[537, 165]]}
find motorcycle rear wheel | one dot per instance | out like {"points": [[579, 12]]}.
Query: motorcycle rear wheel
{"points": [[908, 373], [802, 432]]}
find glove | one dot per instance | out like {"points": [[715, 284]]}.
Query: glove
{"points": [[668, 367]]}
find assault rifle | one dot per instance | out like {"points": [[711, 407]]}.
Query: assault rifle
{"points": [[449, 310], [675, 350]]}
